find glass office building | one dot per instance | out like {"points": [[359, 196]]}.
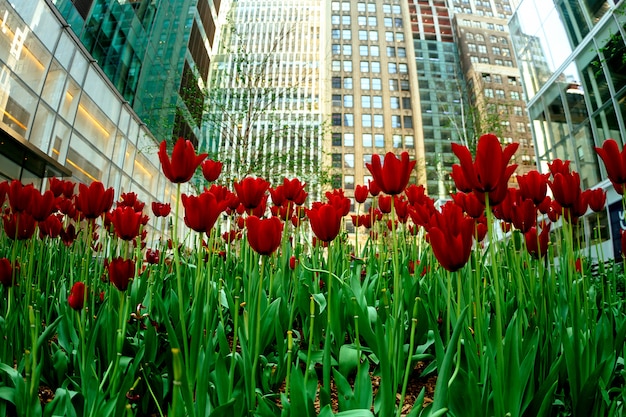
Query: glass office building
{"points": [[571, 56]]}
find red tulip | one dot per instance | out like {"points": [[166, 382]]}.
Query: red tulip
{"points": [[42, 205], [20, 196], [460, 182], [384, 203], [222, 193], [450, 234], [184, 162], [579, 265], [292, 262], [566, 188], [373, 187], [94, 200], [264, 236], [537, 245], [524, 215], [325, 221], [470, 204], [401, 207], [160, 209], [489, 173], [50, 227], [558, 166], [19, 226], [6, 272], [152, 256], [615, 163], [393, 176], [251, 192], [68, 235], [293, 191], [596, 199], [126, 222], [211, 170], [339, 201], [533, 185], [76, 299], [202, 212], [121, 272], [360, 193], [4, 189]]}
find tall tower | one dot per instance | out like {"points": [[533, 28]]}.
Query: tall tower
{"points": [[156, 53]]}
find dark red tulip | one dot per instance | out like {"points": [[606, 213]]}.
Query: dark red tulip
{"points": [[19, 226], [401, 207], [231, 236], [504, 210], [6, 272], [283, 212], [460, 182], [384, 203], [184, 162], [222, 193], [292, 262], [278, 195], [62, 187], [67, 207], [202, 212], [68, 235], [480, 228], [153, 256], [524, 214], [339, 200], [20, 196], [360, 193], [131, 200], [544, 206], [94, 200], [566, 188], [537, 245], [373, 187], [596, 199], [615, 163], [76, 299], [450, 234], [42, 205], [533, 185], [121, 272], [211, 170], [50, 227], [393, 176], [4, 189], [325, 221], [555, 211], [470, 204], [558, 166], [160, 209], [490, 171], [251, 192], [416, 194], [579, 265], [293, 191], [126, 222], [264, 235]]}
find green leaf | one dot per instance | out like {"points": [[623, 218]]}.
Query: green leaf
{"points": [[348, 359]]}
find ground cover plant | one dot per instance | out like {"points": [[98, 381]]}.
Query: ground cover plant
{"points": [[259, 304]]}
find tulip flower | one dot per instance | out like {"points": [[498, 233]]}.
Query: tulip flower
{"points": [[152, 256], [373, 187], [615, 163], [19, 226], [20, 196], [489, 173], [4, 189], [393, 176], [6, 272], [76, 299], [222, 193], [339, 200], [537, 245], [202, 212], [450, 234], [42, 205], [596, 199], [325, 221], [184, 162], [558, 166], [264, 235], [524, 215], [160, 209], [360, 193], [211, 170], [470, 204], [126, 222], [68, 235], [566, 188], [384, 203], [251, 192], [121, 271], [50, 227], [293, 191], [533, 185], [94, 200]]}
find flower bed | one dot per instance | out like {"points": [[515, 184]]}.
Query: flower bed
{"points": [[264, 318]]}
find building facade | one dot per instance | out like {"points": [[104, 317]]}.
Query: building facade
{"points": [[571, 55]]}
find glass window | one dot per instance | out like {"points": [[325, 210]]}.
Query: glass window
{"points": [[347, 49], [336, 82], [347, 66], [348, 181], [336, 160], [365, 66], [386, 8], [401, 52], [348, 100], [347, 83], [366, 120], [336, 34], [396, 121], [365, 83], [389, 36], [408, 122], [406, 103], [348, 160], [336, 65], [345, 20], [373, 35], [366, 102], [404, 85], [371, 7], [377, 84], [393, 85], [378, 120], [367, 159], [388, 22], [392, 67], [514, 95], [377, 102], [348, 119], [335, 19], [336, 49], [336, 100], [374, 50], [362, 35], [367, 140], [360, 6], [379, 140], [499, 93], [399, 37], [348, 139], [336, 138], [362, 20], [375, 66], [363, 50], [394, 102], [391, 51], [397, 21], [403, 68], [397, 141], [346, 34], [488, 92], [409, 141], [345, 6], [371, 21], [336, 117]]}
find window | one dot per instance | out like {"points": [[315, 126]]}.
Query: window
{"points": [[367, 140], [347, 66], [371, 21], [336, 82], [499, 93], [498, 61], [396, 121], [389, 36], [397, 141], [348, 181], [377, 102], [365, 83], [399, 37], [371, 8], [348, 119], [366, 120], [391, 51], [392, 68], [378, 120], [336, 119], [486, 78], [336, 100], [365, 66], [408, 122], [336, 49], [379, 140], [336, 160], [336, 33], [469, 36], [375, 66], [347, 49], [363, 50], [471, 47], [482, 49], [517, 110], [373, 35], [473, 59], [397, 21], [386, 8], [374, 50], [388, 22], [394, 102], [366, 102], [396, 9], [495, 50], [393, 85], [348, 160], [401, 52], [347, 83], [484, 59], [362, 20], [336, 65], [346, 34], [409, 141], [506, 52], [406, 103], [367, 159], [348, 139], [480, 37], [521, 127], [377, 84], [348, 100], [345, 20], [360, 6], [514, 95], [508, 63], [403, 68], [336, 139], [335, 19], [512, 81], [488, 92], [362, 34], [497, 78], [404, 85]]}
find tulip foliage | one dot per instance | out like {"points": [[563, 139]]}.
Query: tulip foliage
{"points": [[263, 304]]}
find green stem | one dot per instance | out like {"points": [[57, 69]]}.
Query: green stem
{"points": [[409, 358]]}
